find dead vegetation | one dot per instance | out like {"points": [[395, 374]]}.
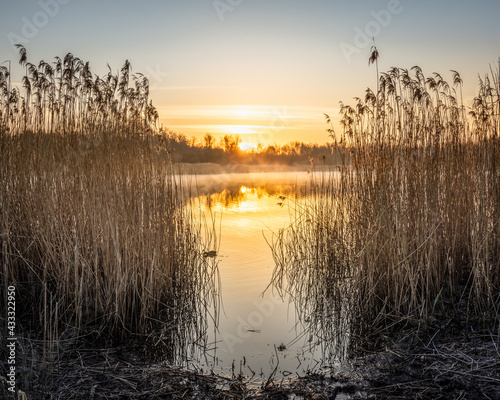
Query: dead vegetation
{"points": [[95, 235], [407, 232]]}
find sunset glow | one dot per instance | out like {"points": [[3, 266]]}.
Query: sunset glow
{"points": [[215, 71], [238, 129], [246, 146]]}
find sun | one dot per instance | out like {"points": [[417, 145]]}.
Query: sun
{"points": [[246, 146]]}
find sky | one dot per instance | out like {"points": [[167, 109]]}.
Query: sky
{"points": [[266, 70]]}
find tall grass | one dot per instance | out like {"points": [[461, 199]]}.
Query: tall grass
{"points": [[408, 229], [66, 97], [95, 235]]}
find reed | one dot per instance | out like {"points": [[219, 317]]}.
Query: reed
{"points": [[407, 232], [95, 233], [66, 97]]}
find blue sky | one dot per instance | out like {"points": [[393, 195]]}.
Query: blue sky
{"points": [[266, 69]]}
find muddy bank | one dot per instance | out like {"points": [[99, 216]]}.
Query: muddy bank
{"points": [[464, 367]]}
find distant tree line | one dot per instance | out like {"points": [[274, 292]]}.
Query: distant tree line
{"points": [[226, 150]]}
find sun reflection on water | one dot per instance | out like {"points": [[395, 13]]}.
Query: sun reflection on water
{"points": [[248, 213]]}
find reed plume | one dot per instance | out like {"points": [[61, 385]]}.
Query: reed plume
{"points": [[406, 232]]}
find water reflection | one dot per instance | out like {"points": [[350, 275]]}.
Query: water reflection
{"points": [[262, 329], [316, 273], [180, 332]]}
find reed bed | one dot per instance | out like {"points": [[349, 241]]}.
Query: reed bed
{"points": [[95, 233], [66, 97], [406, 234]]}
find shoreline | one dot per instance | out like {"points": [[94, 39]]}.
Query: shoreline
{"points": [[442, 366], [218, 169]]}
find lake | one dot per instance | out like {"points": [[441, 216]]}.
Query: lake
{"points": [[257, 332]]}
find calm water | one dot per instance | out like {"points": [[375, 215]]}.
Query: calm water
{"points": [[257, 329]]}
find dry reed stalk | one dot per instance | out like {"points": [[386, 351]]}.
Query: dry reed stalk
{"points": [[94, 230], [412, 223], [98, 237]]}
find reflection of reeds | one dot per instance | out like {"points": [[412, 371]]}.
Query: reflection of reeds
{"points": [[313, 274], [413, 222]]}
